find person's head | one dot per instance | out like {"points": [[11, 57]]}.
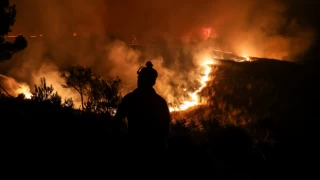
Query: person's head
{"points": [[147, 76]]}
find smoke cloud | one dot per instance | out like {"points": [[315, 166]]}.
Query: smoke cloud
{"points": [[172, 33]]}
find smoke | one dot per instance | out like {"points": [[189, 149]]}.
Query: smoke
{"points": [[171, 31], [13, 87]]}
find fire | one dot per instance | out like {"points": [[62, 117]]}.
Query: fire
{"points": [[247, 58], [24, 89], [194, 98]]}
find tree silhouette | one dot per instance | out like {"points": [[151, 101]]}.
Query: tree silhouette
{"points": [[7, 17], [104, 94], [68, 103], [79, 78], [45, 93]]}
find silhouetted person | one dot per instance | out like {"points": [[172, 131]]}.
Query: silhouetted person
{"points": [[147, 115]]}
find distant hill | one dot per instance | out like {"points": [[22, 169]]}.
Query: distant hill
{"points": [[283, 91]]}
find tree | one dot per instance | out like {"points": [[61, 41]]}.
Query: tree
{"points": [[7, 19], [45, 93], [104, 94], [68, 103], [78, 78]]}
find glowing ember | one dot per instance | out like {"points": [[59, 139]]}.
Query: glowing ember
{"points": [[194, 98], [24, 89]]}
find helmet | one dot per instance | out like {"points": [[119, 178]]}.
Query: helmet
{"points": [[148, 71], [147, 75]]}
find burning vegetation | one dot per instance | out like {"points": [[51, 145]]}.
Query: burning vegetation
{"points": [[91, 69], [230, 100], [184, 56]]}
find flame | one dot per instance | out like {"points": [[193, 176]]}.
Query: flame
{"points": [[247, 58], [194, 98], [24, 89]]}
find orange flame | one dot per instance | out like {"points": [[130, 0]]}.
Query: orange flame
{"points": [[24, 89], [194, 98]]}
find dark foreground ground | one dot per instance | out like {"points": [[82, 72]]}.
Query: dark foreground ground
{"points": [[53, 144], [40, 139]]}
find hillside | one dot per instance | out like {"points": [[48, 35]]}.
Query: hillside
{"points": [[250, 104]]}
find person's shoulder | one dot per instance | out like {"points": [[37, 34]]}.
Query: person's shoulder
{"points": [[162, 104], [128, 96], [161, 99]]}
